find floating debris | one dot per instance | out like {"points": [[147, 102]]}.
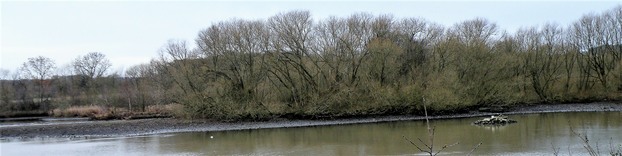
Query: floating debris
{"points": [[497, 119]]}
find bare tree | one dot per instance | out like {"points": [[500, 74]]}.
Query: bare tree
{"points": [[93, 65], [477, 66], [337, 51], [477, 31], [4, 74], [40, 69], [383, 51], [570, 55], [68, 83], [134, 87], [235, 51], [183, 65], [291, 61], [543, 49], [418, 38], [593, 37], [475, 38], [5, 88], [383, 61]]}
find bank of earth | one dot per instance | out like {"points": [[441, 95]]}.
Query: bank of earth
{"points": [[115, 128]]}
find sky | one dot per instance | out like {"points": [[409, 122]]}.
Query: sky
{"points": [[132, 32]]}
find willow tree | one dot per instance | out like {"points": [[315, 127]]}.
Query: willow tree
{"points": [[291, 63], [542, 48], [477, 67], [596, 38], [235, 51]]}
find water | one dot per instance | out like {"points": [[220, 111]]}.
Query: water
{"points": [[534, 134]]}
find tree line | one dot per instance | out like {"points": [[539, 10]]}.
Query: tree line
{"points": [[293, 66]]}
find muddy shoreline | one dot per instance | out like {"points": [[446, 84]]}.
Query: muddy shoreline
{"points": [[116, 128]]}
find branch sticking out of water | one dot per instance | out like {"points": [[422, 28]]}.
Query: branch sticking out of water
{"points": [[429, 148], [445, 147], [476, 146], [586, 143], [419, 148], [612, 150], [555, 149]]}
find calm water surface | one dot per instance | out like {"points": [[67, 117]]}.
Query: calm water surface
{"points": [[534, 134]]}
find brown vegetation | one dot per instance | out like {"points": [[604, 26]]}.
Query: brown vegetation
{"points": [[93, 112], [104, 113]]}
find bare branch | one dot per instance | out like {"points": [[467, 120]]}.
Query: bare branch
{"points": [[93, 65]]}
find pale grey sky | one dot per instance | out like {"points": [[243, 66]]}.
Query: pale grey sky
{"points": [[132, 32]]}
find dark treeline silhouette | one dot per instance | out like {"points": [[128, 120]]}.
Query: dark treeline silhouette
{"points": [[290, 65]]}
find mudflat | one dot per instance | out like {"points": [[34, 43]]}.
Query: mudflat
{"points": [[114, 128]]}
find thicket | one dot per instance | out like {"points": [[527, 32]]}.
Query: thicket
{"points": [[293, 66]]}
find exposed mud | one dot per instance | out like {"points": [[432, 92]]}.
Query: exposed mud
{"points": [[170, 125]]}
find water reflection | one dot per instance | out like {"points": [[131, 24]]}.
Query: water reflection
{"points": [[534, 134]]}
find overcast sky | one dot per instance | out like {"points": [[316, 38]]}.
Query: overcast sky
{"points": [[132, 32]]}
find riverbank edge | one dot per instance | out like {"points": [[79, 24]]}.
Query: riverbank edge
{"points": [[141, 127]]}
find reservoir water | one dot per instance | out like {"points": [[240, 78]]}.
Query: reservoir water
{"points": [[534, 134]]}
